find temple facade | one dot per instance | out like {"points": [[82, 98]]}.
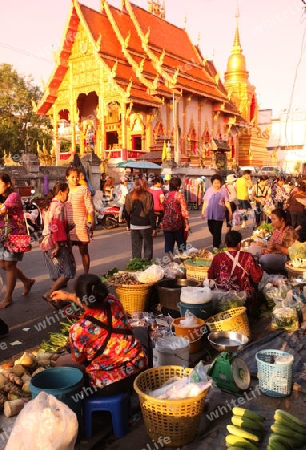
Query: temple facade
{"points": [[126, 81]]}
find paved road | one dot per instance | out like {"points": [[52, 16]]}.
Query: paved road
{"points": [[30, 319]]}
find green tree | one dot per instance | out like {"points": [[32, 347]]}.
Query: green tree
{"points": [[20, 127]]}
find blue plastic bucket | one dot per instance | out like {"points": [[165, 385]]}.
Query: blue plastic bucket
{"points": [[63, 383], [200, 310]]}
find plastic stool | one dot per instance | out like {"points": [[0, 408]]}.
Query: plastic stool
{"points": [[119, 407]]}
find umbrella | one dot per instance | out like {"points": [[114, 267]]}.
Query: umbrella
{"points": [[122, 164], [141, 165]]}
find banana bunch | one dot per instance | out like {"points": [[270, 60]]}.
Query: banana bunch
{"points": [[246, 430], [288, 432]]}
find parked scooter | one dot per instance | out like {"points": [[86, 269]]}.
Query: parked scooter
{"points": [[108, 216], [32, 215]]}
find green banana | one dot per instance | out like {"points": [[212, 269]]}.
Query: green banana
{"points": [[297, 439], [277, 442], [285, 418], [231, 439], [240, 432], [237, 411], [247, 423]]}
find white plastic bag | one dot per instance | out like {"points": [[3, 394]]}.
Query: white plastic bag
{"points": [[152, 274], [45, 423], [195, 295], [190, 320]]}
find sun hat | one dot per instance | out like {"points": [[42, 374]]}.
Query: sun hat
{"points": [[167, 177], [230, 178]]}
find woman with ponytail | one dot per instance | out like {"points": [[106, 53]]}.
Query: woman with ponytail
{"points": [[59, 258], [102, 341]]}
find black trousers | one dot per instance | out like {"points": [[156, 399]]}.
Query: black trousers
{"points": [[215, 229], [142, 238]]}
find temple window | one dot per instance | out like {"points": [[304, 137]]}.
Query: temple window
{"points": [[136, 142], [111, 139]]}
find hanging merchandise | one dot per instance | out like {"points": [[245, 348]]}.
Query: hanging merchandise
{"points": [[194, 189]]}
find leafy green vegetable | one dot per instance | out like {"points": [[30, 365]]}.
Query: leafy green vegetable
{"points": [[139, 264], [265, 226], [104, 278], [198, 262]]}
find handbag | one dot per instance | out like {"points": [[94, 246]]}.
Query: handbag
{"points": [[47, 243], [16, 243]]}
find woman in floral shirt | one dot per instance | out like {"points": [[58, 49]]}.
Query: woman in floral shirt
{"points": [[176, 218], [102, 339], [11, 210], [235, 270]]}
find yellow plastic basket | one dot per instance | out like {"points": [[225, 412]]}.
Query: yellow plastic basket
{"points": [[176, 420], [133, 297], [234, 319], [196, 273]]}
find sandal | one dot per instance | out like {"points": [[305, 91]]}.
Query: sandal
{"points": [[51, 302]]}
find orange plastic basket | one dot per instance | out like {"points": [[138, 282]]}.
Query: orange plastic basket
{"points": [[234, 319], [176, 420]]}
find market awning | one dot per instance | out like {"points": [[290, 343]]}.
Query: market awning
{"points": [[222, 146]]}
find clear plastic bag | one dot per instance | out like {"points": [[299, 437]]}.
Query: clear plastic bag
{"points": [[230, 299], [45, 423]]}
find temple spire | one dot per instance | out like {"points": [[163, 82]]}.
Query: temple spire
{"points": [[157, 8], [237, 46]]}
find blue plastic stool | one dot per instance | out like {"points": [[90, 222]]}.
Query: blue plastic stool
{"points": [[119, 407]]}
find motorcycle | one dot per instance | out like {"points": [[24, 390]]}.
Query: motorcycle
{"points": [[108, 216], [107, 212], [32, 216]]}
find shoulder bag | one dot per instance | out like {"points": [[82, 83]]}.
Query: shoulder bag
{"points": [[47, 242], [16, 243]]}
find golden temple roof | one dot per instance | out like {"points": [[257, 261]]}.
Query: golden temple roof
{"points": [[151, 54]]}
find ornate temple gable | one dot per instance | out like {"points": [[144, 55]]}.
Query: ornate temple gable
{"points": [[124, 41], [171, 51], [62, 58], [144, 36]]}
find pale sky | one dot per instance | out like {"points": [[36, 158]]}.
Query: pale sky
{"points": [[272, 36]]}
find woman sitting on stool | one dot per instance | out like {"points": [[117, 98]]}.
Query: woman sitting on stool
{"points": [[102, 342]]}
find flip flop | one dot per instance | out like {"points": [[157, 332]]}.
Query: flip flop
{"points": [[51, 302]]}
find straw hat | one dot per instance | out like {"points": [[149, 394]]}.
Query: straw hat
{"points": [[230, 178]]}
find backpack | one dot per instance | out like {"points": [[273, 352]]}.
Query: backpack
{"points": [[173, 219]]}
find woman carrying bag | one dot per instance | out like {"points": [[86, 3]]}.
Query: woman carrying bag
{"points": [[11, 224], [57, 250], [176, 218]]}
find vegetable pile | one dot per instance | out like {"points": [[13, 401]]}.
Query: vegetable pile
{"points": [[15, 377], [246, 431], [58, 341], [139, 264], [198, 262], [288, 432], [122, 278]]}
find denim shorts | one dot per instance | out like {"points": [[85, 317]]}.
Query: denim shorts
{"points": [[5, 255]]}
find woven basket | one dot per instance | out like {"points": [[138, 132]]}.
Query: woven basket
{"points": [[275, 380], [177, 420], [133, 297], [234, 319], [196, 273]]}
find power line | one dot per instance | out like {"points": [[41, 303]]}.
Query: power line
{"points": [[24, 52]]}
